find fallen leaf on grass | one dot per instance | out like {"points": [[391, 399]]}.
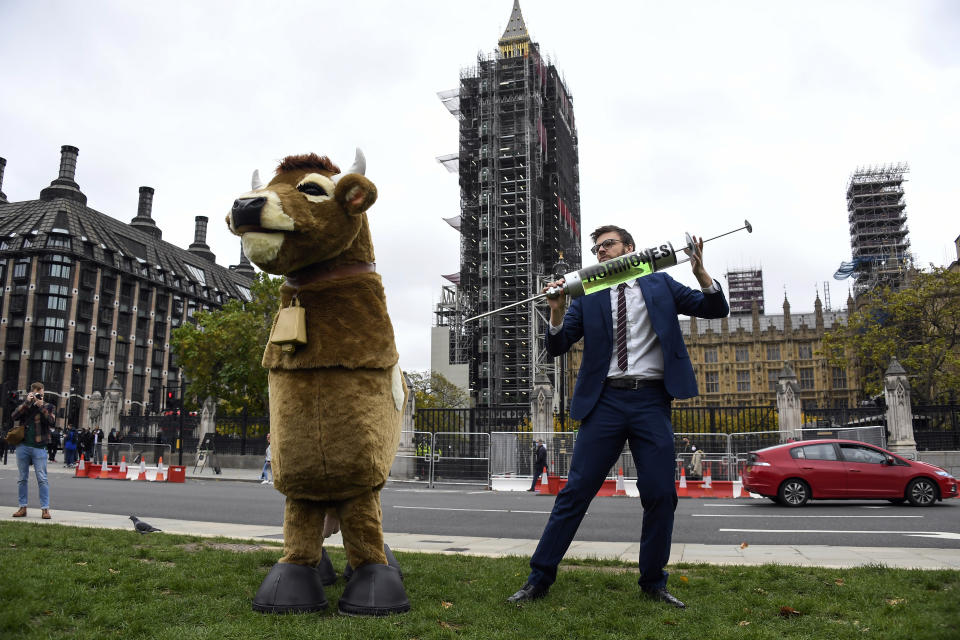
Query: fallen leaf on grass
{"points": [[670, 622], [744, 545], [760, 591], [80, 564], [446, 605], [743, 623], [894, 601], [789, 612], [112, 570], [447, 625], [839, 582], [684, 579]]}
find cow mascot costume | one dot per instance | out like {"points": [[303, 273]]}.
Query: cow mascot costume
{"points": [[336, 390]]}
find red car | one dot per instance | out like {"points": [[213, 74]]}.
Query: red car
{"points": [[796, 472]]}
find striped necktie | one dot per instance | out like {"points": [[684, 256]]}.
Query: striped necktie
{"points": [[622, 327]]}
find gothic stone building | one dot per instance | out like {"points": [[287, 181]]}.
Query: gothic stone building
{"points": [[737, 359], [87, 299]]}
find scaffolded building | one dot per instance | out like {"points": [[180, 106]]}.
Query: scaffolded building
{"points": [[745, 287], [520, 212], [878, 227]]}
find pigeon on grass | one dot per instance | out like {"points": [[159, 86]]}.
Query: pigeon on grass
{"points": [[143, 527]]}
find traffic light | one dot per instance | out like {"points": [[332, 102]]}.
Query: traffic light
{"points": [[173, 402]]}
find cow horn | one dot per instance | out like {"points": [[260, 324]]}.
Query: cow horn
{"points": [[359, 166], [255, 181]]}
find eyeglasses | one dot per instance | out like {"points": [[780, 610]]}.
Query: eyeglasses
{"points": [[606, 244]]}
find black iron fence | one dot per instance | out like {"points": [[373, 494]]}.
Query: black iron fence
{"points": [[937, 427], [474, 420], [724, 419]]}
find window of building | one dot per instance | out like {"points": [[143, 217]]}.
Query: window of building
{"points": [[57, 266], [197, 273], [805, 351], [103, 346], [713, 381], [47, 365], [88, 279], [108, 286], [100, 377], [772, 376], [57, 298], [50, 329], [838, 378], [139, 354], [742, 353], [123, 348], [710, 354], [773, 352], [59, 241], [743, 381], [806, 377], [244, 293], [21, 269], [157, 359]]}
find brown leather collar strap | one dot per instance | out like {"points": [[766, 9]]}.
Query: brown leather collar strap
{"points": [[316, 273]]}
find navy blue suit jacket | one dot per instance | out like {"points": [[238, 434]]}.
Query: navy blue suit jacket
{"points": [[590, 317]]}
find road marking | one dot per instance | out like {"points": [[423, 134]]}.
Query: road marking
{"points": [[396, 506], [729, 504], [943, 535], [739, 515]]}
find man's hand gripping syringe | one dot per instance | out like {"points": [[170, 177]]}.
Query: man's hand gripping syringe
{"points": [[612, 272]]}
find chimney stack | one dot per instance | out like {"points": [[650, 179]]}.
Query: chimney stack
{"points": [[199, 246], [65, 186], [244, 268], [144, 220], [3, 165]]}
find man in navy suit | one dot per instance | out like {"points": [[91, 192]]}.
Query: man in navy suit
{"points": [[634, 364]]}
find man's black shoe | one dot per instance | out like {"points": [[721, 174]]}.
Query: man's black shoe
{"points": [[531, 489], [663, 595], [529, 592]]}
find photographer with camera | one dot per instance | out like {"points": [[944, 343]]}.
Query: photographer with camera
{"points": [[37, 419]]}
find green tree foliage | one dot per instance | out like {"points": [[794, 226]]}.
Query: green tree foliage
{"points": [[434, 391], [221, 354], [919, 325]]}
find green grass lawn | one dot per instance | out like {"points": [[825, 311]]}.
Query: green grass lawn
{"points": [[73, 583]]}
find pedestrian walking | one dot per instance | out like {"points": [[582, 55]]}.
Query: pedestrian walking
{"points": [[266, 474], [539, 463]]}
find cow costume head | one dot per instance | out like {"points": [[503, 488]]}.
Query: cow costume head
{"points": [[309, 213]]}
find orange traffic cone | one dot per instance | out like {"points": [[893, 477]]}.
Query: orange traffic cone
{"points": [[104, 469], [159, 477], [81, 469], [143, 470], [682, 487], [621, 488], [123, 466]]}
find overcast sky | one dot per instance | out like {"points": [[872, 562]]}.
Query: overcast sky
{"points": [[692, 116]]}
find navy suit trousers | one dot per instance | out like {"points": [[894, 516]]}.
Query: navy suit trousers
{"points": [[642, 418]]}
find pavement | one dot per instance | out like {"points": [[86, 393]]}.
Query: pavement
{"points": [[795, 555]]}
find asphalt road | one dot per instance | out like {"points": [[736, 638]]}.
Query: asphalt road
{"points": [[468, 512]]}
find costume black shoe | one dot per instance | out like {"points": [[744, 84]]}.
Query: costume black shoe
{"points": [[328, 575], [374, 590], [663, 595], [391, 560], [529, 592], [290, 588]]}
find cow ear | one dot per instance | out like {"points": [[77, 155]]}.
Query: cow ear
{"points": [[355, 193]]}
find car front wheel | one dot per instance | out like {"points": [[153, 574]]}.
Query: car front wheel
{"points": [[922, 492], [793, 493]]}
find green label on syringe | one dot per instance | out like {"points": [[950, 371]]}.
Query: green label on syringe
{"points": [[612, 272]]}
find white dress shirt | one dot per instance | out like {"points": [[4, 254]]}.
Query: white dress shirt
{"points": [[644, 356]]}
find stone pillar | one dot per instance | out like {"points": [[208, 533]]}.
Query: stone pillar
{"points": [[112, 403], [788, 403], [896, 389], [94, 411], [541, 408]]}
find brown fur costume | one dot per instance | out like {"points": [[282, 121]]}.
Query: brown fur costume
{"points": [[335, 402]]}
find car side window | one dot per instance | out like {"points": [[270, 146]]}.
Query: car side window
{"points": [[815, 452], [858, 453]]}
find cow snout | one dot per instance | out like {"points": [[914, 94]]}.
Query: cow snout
{"points": [[246, 212]]}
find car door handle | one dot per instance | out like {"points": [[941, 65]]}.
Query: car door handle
{"points": [[854, 470]]}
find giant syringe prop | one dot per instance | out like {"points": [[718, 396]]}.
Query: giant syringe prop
{"points": [[604, 275]]}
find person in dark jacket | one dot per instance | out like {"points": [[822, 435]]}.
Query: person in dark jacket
{"points": [[539, 463], [70, 447], [38, 419]]}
